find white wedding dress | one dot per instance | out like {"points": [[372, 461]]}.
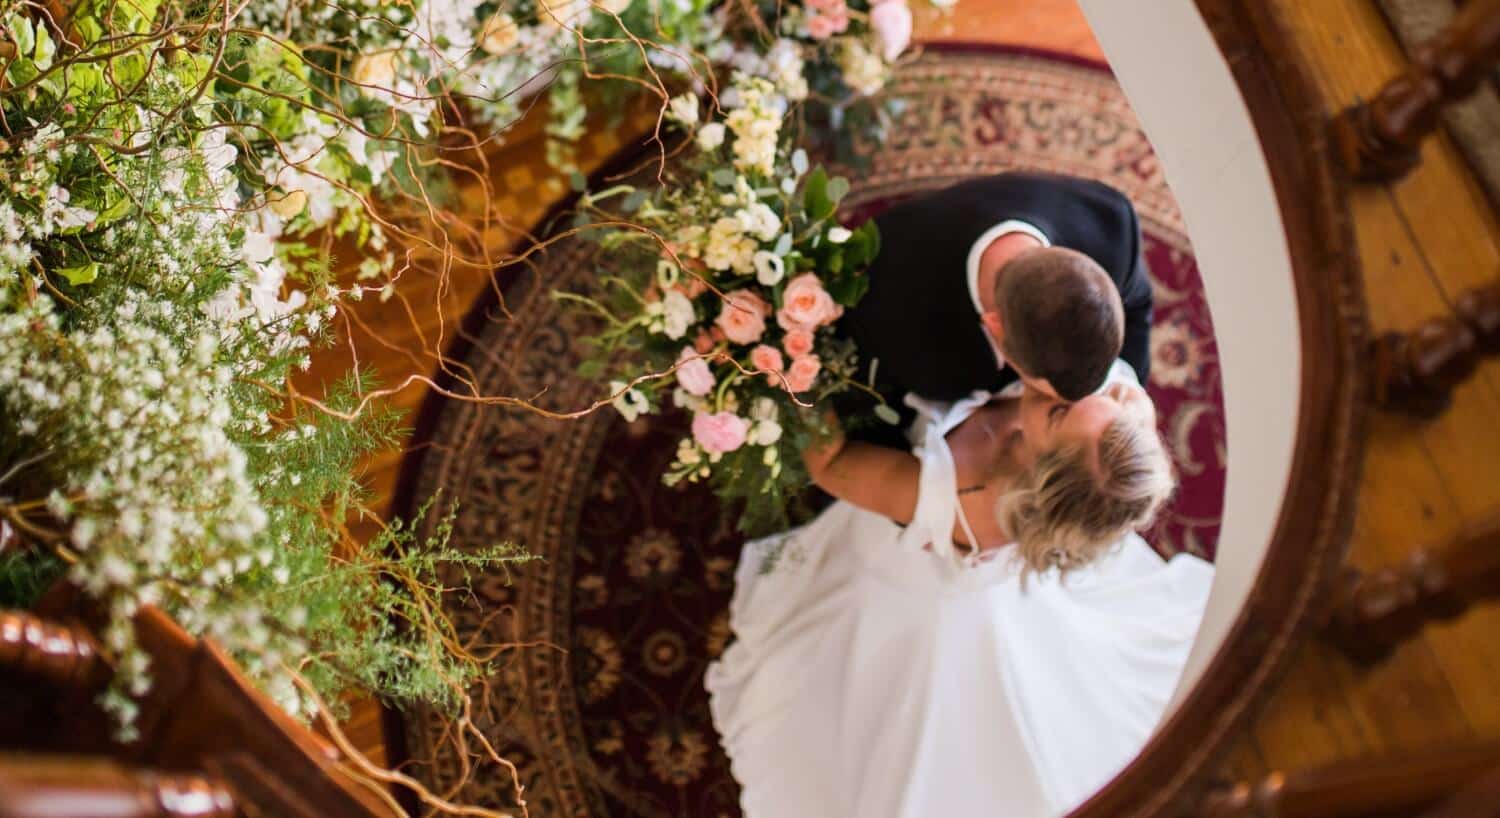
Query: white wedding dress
{"points": [[872, 677]]}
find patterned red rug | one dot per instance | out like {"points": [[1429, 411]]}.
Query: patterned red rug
{"points": [[604, 713]]}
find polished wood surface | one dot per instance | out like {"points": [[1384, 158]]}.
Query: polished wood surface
{"points": [[62, 655], [1381, 139], [82, 787], [1396, 786], [200, 716], [1422, 242]]}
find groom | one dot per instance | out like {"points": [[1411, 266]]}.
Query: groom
{"points": [[1029, 276]]}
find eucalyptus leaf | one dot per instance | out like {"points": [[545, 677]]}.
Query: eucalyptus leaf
{"points": [[578, 182], [783, 244], [723, 177], [838, 188], [634, 201], [799, 161], [81, 274], [887, 414]]}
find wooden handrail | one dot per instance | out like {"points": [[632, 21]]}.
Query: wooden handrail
{"points": [[1480, 799], [1373, 612], [69, 787], [1416, 371], [1399, 785], [1381, 139], [61, 655]]}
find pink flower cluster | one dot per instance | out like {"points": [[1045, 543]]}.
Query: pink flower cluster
{"points": [[720, 432], [826, 18]]}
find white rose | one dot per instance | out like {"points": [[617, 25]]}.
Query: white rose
{"points": [[711, 136], [375, 72], [764, 433], [769, 268], [499, 34], [763, 409], [677, 314], [760, 221]]}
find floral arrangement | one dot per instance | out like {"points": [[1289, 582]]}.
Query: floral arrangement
{"points": [[412, 58], [724, 306], [174, 181], [169, 182]]}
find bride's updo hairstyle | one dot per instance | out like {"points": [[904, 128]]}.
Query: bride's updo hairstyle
{"points": [[1064, 513]]}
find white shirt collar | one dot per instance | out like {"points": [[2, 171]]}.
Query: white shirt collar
{"points": [[977, 250]]}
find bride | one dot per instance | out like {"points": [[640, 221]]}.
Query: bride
{"points": [[974, 629]]}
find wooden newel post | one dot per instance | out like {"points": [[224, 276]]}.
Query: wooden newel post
{"points": [[1381, 139], [1374, 611], [1416, 371]]}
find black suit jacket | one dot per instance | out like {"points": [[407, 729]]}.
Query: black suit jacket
{"points": [[918, 321]]}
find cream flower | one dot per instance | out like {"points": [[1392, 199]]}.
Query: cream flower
{"points": [[288, 206], [499, 34], [711, 136], [684, 109], [375, 72]]}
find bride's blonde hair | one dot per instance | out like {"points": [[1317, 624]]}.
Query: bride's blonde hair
{"points": [[1062, 513]]}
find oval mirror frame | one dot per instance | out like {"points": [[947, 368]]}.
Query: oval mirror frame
{"points": [[1176, 767]]}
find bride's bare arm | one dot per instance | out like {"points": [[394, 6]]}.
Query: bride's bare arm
{"points": [[875, 478]]}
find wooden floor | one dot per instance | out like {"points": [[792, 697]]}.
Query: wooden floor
{"points": [[1422, 240]]}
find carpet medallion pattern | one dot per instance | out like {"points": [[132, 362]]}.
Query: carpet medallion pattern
{"points": [[603, 709]]}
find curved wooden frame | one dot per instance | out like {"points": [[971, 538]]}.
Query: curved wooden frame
{"points": [[1173, 771]]}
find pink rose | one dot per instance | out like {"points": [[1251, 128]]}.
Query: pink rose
{"points": [[743, 317], [722, 432], [820, 27], [693, 374], [827, 5], [891, 21], [798, 343], [767, 359], [803, 372], [703, 342], [805, 305]]}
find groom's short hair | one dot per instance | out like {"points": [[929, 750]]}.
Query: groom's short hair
{"points": [[1063, 319]]}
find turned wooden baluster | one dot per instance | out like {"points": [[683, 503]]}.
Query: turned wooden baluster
{"points": [[69, 787], [1416, 371], [1381, 139], [59, 655], [1390, 786], [1374, 611]]}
